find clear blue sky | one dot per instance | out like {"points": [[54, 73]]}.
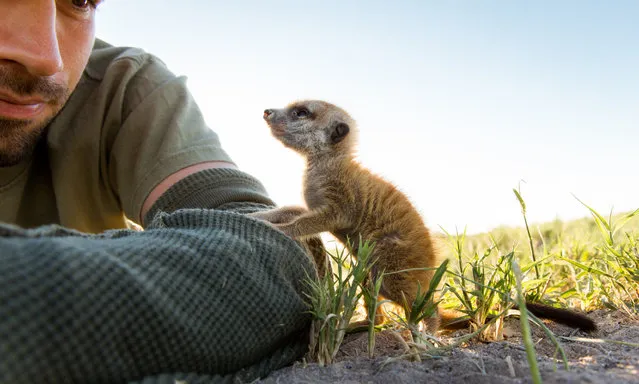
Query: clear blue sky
{"points": [[456, 101]]}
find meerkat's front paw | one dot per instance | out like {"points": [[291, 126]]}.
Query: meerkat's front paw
{"points": [[276, 218], [279, 215], [284, 227], [261, 215]]}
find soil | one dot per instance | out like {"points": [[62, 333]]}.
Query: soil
{"points": [[485, 362]]}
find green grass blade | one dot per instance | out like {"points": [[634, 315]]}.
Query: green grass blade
{"points": [[585, 267], [525, 327]]}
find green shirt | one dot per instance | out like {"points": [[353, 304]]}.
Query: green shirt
{"points": [[129, 124]]}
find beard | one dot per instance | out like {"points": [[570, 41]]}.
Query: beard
{"points": [[18, 138]]}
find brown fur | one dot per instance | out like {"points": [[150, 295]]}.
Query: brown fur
{"points": [[349, 201]]}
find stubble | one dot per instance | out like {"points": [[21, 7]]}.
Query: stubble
{"points": [[18, 138]]}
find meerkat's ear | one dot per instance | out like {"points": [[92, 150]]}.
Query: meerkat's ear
{"points": [[339, 132]]}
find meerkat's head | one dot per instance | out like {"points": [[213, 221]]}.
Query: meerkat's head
{"points": [[312, 127]]}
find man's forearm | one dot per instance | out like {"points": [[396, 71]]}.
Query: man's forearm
{"points": [[202, 291], [210, 188]]}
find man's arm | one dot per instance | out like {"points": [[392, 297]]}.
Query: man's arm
{"points": [[177, 176], [210, 188], [159, 153], [202, 292]]}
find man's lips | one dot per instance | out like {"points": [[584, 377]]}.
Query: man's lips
{"points": [[8, 97], [20, 108]]}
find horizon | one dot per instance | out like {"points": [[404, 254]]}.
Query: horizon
{"points": [[456, 104]]}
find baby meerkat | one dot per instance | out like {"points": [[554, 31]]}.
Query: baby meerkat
{"points": [[346, 199], [349, 201]]}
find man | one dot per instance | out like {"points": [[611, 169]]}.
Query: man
{"points": [[91, 135]]}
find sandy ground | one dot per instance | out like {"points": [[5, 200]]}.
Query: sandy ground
{"points": [[494, 362]]}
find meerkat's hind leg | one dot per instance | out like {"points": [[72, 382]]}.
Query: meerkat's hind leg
{"points": [[403, 290], [280, 215], [315, 247], [379, 317]]}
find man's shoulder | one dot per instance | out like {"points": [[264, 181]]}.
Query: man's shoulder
{"points": [[104, 55]]}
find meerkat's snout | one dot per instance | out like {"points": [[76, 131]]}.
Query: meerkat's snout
{"points": [[267, 113]]}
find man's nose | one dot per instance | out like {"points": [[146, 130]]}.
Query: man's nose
{"points": [[28, 36]]}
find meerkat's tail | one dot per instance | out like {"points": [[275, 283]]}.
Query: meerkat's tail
{"points": [[453, 320], [562, 316]]}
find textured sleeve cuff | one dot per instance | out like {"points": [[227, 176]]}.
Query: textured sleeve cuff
{"points": [[210, 188]]}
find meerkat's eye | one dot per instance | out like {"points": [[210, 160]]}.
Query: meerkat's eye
{"points": [[301, 113]]}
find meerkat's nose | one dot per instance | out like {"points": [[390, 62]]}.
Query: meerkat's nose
{"points": [[267, 113]]}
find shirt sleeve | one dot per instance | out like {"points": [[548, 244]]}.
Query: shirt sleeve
{"points": [[160, 131], [212, 188], [207, 296]]}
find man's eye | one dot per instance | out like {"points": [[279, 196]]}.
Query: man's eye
{"points": [[83, 3]]}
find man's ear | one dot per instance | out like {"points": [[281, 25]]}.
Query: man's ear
{"points": [[339, 132]]}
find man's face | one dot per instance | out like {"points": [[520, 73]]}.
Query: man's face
{"points": [[44, 47]]}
